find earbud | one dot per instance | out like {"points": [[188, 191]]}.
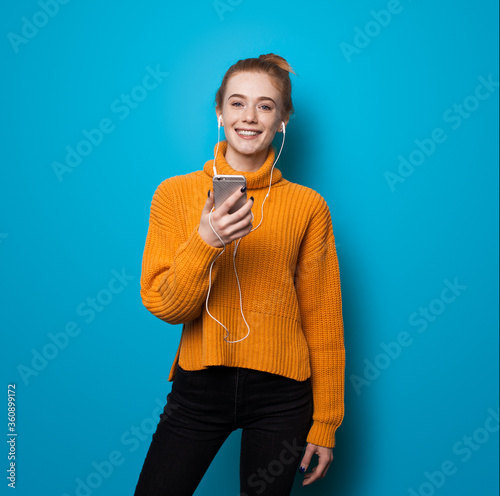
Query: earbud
{"points": [[220, 120], [283, 127]]}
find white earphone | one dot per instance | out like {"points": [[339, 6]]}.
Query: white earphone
{"points": [[219, 122]]}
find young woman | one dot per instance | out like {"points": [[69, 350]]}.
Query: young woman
{"points": [[258, 293]]}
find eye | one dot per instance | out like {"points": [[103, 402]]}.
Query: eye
{"points": [[266, 107], [236, 104]]}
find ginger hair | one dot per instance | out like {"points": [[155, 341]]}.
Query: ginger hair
{"points": [[271, 64]]}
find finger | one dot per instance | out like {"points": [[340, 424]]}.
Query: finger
{"points": [[242, 233], [209, 203], [308, 476], [231, 201], [244, 210], [312, 476], [319, 471], [240, 225], [243, 227], [306, 459]]}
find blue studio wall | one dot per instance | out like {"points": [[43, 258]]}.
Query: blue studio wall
{"points": [[396, 125]]}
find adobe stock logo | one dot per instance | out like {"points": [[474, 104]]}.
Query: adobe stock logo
{"points": [[122, 106], [221, 7], [421, 319], [465, 449], [265, 476], [104, 467], [364, 36], [88, 309], [31, 27], [454, 116]]}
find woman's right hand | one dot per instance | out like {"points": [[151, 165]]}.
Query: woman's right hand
{"points": [[228, 226]]}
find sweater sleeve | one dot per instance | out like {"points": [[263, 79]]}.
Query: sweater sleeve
{"points": [[175, 268], [319, 296]]}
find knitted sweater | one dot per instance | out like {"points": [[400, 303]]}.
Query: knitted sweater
{"points": [[289, 278]]}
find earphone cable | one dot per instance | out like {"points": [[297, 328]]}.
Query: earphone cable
{"points": [[237, 242]]}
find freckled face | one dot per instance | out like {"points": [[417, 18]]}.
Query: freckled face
{"points": [[251, 114]]}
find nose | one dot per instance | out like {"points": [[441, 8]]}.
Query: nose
{"points": [[250, 114]]}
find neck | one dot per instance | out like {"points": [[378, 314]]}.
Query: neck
{"points": [[245, 163], [255, 179]]}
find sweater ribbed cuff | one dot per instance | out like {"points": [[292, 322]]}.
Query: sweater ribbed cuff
{"points": [[322, 434], [200, 253]]}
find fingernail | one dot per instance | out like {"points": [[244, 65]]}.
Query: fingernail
{"points": [[251, 198], [302, 470], [243, 189]]}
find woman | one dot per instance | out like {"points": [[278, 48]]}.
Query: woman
{"points": [[258, 294]]}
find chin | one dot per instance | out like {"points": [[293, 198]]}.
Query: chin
{"points": [[248, 148]]}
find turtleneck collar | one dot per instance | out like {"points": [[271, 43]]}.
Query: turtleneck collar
{"points": [[255, 180]]}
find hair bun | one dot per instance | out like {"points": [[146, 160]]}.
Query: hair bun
{"points": [[273, 66], [272, 58]]}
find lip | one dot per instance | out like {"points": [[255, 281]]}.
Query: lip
{"points": [[247, 137]]}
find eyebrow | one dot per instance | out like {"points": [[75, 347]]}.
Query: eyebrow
{"points": [[260, 97]]}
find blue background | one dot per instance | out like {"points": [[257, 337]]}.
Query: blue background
{"points": [[358, 108]]}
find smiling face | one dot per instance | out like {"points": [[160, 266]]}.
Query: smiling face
{"points": [[251, 115]]}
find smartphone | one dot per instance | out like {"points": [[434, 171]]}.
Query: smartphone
{"points": [[225, 186]]}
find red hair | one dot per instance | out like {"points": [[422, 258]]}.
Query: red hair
{"points": [[271, 64]]}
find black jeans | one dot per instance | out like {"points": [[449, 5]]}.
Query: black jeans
{"points": [[204, 407]]}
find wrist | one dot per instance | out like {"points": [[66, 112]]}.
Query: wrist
{"points": [[209, 240]]}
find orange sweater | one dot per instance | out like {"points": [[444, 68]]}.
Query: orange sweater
{"points": [[289, 280]]}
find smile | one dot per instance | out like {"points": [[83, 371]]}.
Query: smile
{"points": [[247, 133]]}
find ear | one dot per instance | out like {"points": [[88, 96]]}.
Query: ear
{"points": [[218, 113], [285, 120]]}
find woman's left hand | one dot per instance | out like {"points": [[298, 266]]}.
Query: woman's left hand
{"points": [[325, 457]]}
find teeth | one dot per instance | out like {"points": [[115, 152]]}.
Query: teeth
{"points": [[248, 133]]}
